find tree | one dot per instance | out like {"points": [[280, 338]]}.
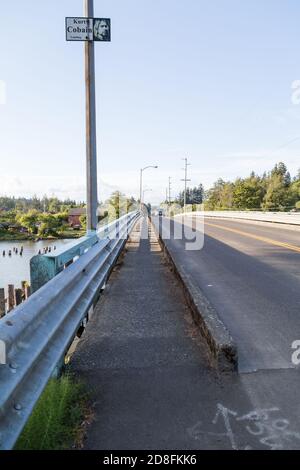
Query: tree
{"points": [[29, 220], [83, 221], [279, 194], [50, 224], [193, 196], [8, 217], [280, 170], [220, 196], [54, 205], [295, 193], [7, 203], [36, 203], [248, 193], [118, 204]]}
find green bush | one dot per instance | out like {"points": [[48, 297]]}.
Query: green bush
{"points": [[55, 420]]}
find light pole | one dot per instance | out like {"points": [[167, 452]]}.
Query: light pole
{"points": [[141, 182], [91, 143]]}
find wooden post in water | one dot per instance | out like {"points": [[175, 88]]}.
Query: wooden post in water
{"points": [[11, 297], [2, 303], [27, 291], [18, 296], [23, 284]]}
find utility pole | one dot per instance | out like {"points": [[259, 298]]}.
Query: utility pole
{"points": [[169, 190], [167, 195], [141, 189], [185, 181], [91, 140]]}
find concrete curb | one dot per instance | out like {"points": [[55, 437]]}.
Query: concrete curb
{"points": [[223, 350]]}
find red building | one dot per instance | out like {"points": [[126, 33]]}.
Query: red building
{"points": [[74, 216]]}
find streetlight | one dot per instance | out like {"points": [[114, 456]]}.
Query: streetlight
{"points": [[141, 182]]}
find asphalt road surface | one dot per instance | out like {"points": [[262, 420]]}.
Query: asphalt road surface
{"points": [[251, 274]]}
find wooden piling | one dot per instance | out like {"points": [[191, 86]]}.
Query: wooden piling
{"points": [[27, 291], [23, 285], [11, 297], [2, 303], [18, 296]]}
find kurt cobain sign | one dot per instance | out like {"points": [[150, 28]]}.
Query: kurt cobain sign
{"points": [[88, 29]]}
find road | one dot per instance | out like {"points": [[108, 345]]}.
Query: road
{"points": [[251, 274]]}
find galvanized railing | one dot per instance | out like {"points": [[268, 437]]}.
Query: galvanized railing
{"points": [[38, 333], [284, 218], [45, 267]]}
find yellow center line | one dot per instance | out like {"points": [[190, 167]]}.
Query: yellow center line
{"points": [[257, 237]]}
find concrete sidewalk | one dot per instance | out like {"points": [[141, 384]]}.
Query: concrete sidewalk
{"points": [[147, 370]]}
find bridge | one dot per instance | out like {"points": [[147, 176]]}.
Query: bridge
{"points": [[183, 347]]}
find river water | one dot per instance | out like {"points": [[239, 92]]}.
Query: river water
{"points": [[15, 268]]}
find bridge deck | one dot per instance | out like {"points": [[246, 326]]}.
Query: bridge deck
{"points": [[149, 379], [141, 356]]}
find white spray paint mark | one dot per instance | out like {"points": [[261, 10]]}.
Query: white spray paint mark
{"points": [[225, 412], [272, 433], [296, 354]]}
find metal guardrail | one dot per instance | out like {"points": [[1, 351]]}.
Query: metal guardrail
{"points": [[44, 267], [290, 218], [39, 332]]}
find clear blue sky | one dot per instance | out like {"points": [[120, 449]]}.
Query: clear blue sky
{"points": [[210, 80]]}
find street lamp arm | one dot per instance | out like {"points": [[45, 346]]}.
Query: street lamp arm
{"points": [[150, 166]]}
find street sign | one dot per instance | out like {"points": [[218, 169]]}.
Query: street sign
{"points": [[87, 29]]}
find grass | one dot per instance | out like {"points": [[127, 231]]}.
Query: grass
{"points": [[72, 233], [6, 235], [55, 421]]}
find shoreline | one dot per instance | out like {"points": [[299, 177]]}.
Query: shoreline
{"points": [[19, 237]]}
